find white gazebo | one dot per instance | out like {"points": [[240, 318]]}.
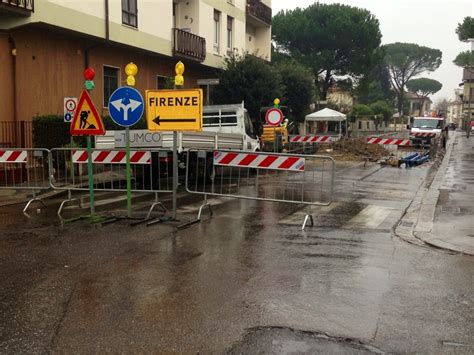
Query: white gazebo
{"points": [[326, 121]]}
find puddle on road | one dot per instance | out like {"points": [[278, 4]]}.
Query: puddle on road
{"points": [[333, 216]]}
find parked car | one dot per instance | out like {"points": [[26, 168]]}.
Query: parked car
{"points": [[452, 126]]}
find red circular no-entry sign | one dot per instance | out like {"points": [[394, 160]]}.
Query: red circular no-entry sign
{"points": [[274, 116]]}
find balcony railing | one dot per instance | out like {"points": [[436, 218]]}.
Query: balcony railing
{"points": [[260, 11], [189, 45], [22, 7]]}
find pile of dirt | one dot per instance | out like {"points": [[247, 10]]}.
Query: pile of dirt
{"points": [[354, 149]]}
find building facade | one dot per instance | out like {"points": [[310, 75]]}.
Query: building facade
{"points": [[468, 95], [454, 111], [45, 45], [418, 106]]}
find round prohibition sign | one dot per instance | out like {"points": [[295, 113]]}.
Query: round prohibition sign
{"points": [[274, 116], [70, 105]]}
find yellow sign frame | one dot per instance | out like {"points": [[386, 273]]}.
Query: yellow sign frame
{"points": [[174, 110]]}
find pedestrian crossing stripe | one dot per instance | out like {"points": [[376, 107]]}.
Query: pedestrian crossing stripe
{"points": [[86, 121], [370, 217]]}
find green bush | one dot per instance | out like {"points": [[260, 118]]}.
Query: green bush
{"points": [[50, 131]]}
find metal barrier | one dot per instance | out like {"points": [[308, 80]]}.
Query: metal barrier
{"points": [[295, 179], [151, 172], [308, 144], [25, 169]]}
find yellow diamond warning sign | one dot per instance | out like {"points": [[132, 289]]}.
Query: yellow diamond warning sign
{"points": [[174, 110], [86, 121]]}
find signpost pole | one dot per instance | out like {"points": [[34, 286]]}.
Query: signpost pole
{"points": [[90, 173], [175, 172], [86, 121], [129, 177]]}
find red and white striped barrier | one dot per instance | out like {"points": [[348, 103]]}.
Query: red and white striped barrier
{"points": [[111, 157], [388, 141], [13, 156], [422, 134], [313, 139], [259, 161]]}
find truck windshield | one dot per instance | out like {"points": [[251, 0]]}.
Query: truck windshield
{"points": [[427, 123], [248, 126]]}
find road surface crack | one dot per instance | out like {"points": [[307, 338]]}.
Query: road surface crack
{"points": [[63, 315]]}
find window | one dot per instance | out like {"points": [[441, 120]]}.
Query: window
{"points": [[230, 25], [164, 82], [129, 13], [220, 119], [111, 81], [217, 31]]}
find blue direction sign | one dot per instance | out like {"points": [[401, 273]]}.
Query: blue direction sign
{"points": [[126, 106]]}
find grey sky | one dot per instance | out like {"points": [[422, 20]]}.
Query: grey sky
{"points": [[430, 23]]}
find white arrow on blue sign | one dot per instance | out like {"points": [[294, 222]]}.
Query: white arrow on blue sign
{"points": [[126, 106]]}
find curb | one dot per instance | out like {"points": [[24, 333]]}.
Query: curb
{"points": [[416, 224]]}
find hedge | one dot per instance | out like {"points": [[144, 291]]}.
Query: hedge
{"points": [[50, 131]]}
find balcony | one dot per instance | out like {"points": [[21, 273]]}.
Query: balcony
{"points": [[18, 7], [188, 45], [258, 13]]}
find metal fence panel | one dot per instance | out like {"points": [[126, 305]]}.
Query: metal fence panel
{"points": [[308, 144], [16, 134], [307, 180], [24, 168], [151, 170]]}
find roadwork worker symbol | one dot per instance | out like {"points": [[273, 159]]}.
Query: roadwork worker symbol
{"points": [[86, 121], [83, 118]]}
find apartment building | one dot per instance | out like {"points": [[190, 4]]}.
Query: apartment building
{"points": [[418, 106], [454, 110], [468, 95], [46, 44]]}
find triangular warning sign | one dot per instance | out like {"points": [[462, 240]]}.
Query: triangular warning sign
{"points": [[86, 121]]}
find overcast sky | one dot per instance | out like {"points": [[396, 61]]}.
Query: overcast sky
{"points": [[430, 23]]}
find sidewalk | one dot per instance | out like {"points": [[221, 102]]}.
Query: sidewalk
{"points": [[442, 215]]}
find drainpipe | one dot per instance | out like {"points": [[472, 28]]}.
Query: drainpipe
{"points": [[11, 40], [107, 29], [107, 35], [18, 132]]}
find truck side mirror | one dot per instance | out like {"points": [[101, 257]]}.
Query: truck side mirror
{"points": [[408, 126]]}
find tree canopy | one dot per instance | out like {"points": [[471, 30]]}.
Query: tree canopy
{"points": [[465, 29], [423, 87], [249, 79], [331, 39], [405, 61], [298, 90], [382, 108], [464, 59], [375, 86], [360, 110]]}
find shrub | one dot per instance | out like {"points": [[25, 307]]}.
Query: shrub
{"points": [[50, 131]]}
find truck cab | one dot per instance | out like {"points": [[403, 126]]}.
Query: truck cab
{"points": [[425, 130]]}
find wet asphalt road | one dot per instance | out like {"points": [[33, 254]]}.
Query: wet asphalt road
{"points": [[246, 281]]}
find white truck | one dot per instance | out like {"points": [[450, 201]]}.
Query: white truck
{"points": [[425, 130], [224, 127]]}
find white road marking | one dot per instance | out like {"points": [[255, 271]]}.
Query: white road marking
{"points": [[370, 217]]}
